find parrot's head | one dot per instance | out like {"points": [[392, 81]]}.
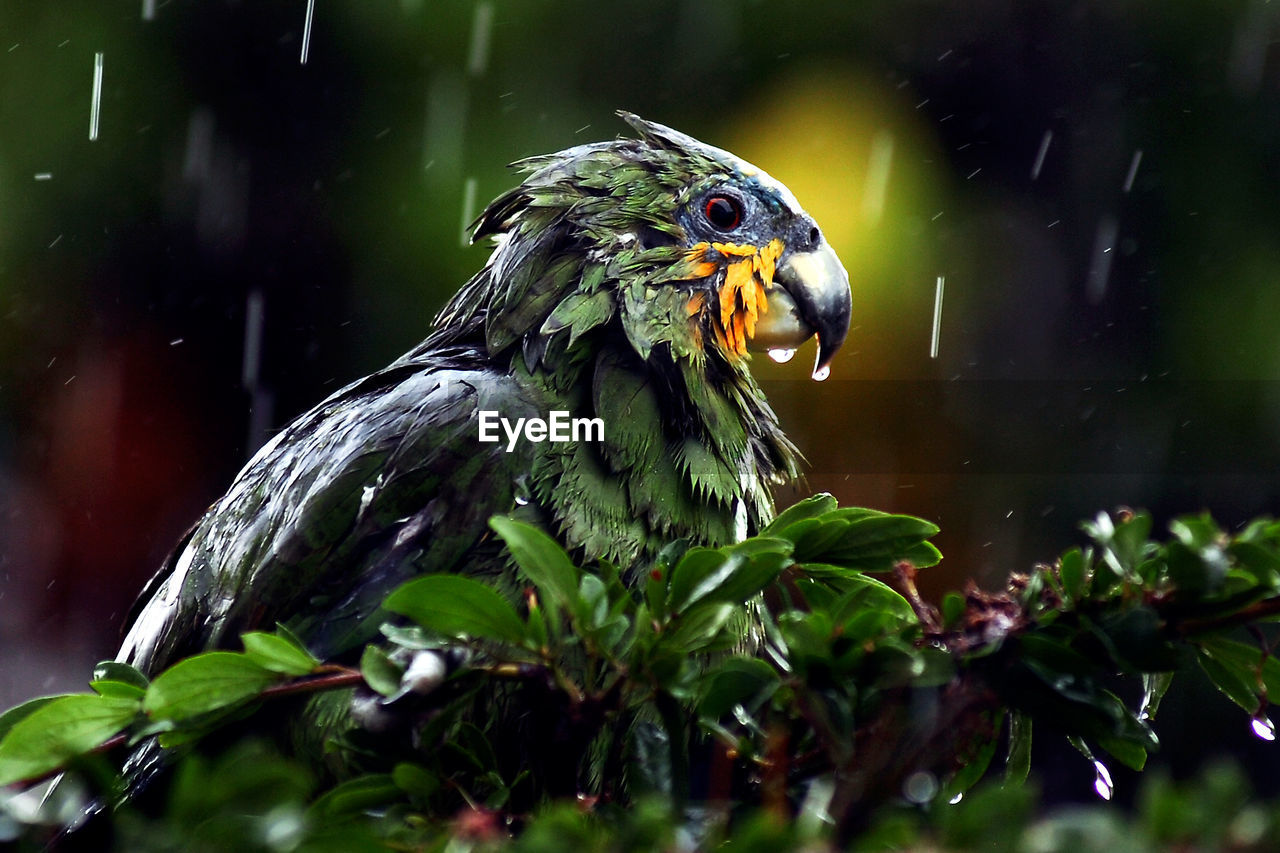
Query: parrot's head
{"points": [[685, 244]]}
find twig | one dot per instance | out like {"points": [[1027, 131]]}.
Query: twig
{"points": [[1253, 613], [341, 676]]}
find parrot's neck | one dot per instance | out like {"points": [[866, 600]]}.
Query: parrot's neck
{"points": [[690, 449]]}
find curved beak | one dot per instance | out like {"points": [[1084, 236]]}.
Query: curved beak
{"points": [[812, 298]]}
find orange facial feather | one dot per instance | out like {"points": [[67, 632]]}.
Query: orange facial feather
{"points": [[743, 293]]}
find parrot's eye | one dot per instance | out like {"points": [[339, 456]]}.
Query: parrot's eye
{"points": [[723, 212]]}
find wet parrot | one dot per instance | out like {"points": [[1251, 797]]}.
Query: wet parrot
{"points": [[628, 283], [593, 379]]}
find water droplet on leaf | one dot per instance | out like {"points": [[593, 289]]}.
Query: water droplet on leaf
{"points": [[782, 356], [1102, 781], [1263, 727], [957, 798]]}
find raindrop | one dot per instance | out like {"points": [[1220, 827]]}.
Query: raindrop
{"points": [[937, 315], [820, 374], [148, 10], [306, 32], [782, 356], [1100, 268], [468, 212], [877, 176], [1102, 780], [1044, 149], [96, 103], [481, 27], [920, 787], [521, 500], [1263, 727], [44, 176], [253, 326], [1133, 170]]}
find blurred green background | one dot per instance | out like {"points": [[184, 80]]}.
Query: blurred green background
{"points": [[1095, 183]]}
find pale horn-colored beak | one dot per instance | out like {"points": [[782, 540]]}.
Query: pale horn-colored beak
{"points": [[810, 297]]}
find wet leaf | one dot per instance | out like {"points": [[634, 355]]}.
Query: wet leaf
{"points": [[1234, 681], [1072, 569], [18, 712], [541, 560], [53, 732], [736, 681], [110, 670], [356, 795], [207, 682], [452, 605], [1017, 764], [810, 507], [380, 672], [278, 653]]}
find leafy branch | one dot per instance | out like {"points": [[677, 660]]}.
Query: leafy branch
{"points": [[777, 676]]}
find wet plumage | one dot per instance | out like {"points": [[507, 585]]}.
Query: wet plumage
{"points": [[628, 279]]}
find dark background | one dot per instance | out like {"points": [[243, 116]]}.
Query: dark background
{"points": [[1096, 183]]}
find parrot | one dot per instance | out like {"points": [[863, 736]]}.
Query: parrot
{"points": [[613, 323], [629, 282]]}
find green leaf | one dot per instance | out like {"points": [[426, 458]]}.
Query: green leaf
{"points": [[1154, 686], [698, 573], [110, 670], [1232, 680], [736, 681], [976, 765], [207, 682], [112, 678], [380, 672], [1017, 764], [415, 780], [118, 689], [1128, 753], [357, 795], [733, 574], [882, 536], [700, 626], [53, 732], [765, 559], [278, 653], [453, 605], [1072, 570], [953, 607], [541, 560], [817, 505], [1262, 563], [863, 596], [813, 545], [11, 717]]}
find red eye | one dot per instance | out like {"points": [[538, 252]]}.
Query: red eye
{"points": [[723, 212]]}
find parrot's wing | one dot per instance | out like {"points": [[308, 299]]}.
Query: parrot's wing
{"points": [[385, 479]]}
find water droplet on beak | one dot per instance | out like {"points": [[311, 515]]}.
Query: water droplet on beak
{"points": [[782, 356]]}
